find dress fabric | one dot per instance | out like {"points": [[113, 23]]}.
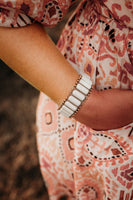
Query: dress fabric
{"points": [[75, 160]]}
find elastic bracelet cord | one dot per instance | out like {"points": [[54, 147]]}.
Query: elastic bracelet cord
{"points": [[77, 96]]}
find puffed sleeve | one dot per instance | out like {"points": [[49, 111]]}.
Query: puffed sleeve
{"points": [[17, 13]]}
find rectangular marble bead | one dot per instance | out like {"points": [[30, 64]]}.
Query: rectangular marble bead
{"points": [[86, 78], [71, 106], [82, 89], [67, 109], [90, 83], [74, 100], [78, 95], [86, 84], [64, 113]]}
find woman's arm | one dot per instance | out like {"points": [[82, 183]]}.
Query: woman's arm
{"points": [[108, 109], [31, 53]]}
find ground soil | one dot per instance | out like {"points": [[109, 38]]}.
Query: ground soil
{"points": [[20, 177]]}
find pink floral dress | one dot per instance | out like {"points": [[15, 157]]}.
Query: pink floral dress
{"points": [[75, 160]]}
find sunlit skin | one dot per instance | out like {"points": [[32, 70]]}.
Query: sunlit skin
{"points": [[32, 54]]}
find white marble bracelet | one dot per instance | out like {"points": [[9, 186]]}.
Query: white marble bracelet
{"points": [[78, 95]]}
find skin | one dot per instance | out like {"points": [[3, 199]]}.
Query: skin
{"points": [[108, 109], [31, 53]]}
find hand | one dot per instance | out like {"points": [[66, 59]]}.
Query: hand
{"points": [[108, 109]]}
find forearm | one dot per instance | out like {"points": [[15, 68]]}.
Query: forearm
{"points": [[32, 54]]}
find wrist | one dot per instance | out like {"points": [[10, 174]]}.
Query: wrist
{"points": [[77, 96]]}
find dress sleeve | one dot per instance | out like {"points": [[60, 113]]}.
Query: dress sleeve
{"points": [[17, 13], [122, 10]]}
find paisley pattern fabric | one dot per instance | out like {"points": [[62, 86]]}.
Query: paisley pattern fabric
{"points": [[16, 13], [77, 161]]}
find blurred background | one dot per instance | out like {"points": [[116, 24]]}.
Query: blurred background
{"points": [[20, 177]]}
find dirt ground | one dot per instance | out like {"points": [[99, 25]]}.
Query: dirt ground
{"points": [[20, 177]]}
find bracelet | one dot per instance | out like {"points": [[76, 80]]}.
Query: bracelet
{"points": [[73, 102]]}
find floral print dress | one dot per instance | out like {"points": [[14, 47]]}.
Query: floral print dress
{"points": [[77, 161]]}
